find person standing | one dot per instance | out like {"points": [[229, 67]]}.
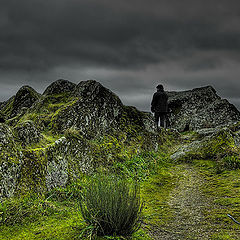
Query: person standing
{"points": [[159, 106]]}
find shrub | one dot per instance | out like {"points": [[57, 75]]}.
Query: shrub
{"points": [[111, 206]]}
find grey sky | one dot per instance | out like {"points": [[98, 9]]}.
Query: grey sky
{"points": [[128, 45]]}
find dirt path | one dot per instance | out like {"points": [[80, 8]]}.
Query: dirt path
{"points": [[187, 204]]}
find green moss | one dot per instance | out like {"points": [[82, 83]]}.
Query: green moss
{"points": [[47, 109], [222, 235], [45, 220], [218, 147], [155, 194], [55, 124], [222, 143], [48, 138], [33, 172]]}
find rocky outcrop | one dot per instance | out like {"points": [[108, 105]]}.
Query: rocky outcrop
{"points": [[96, 111], [8, 147], [19, 104], [74, 154], [200, 108], [25, 98], [59, 86], [212, 143]]}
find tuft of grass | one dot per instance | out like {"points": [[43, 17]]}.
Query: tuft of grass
{"points": [[111, 206], [141, 166]]}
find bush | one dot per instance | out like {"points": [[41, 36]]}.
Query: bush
{"points": [[111, 206]]}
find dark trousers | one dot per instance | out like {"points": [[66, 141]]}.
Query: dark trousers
{"points": [[163, 118]]}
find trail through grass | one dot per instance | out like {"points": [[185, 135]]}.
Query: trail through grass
{"points": [[196, 204]]}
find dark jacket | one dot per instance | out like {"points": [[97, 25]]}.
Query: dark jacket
{"points": [[159, 102]]}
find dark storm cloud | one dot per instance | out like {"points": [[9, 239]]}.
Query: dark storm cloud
{"points": [[129, 45], [38, 34]]}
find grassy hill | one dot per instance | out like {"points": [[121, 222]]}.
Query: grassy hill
{"points": [[53, 145]]}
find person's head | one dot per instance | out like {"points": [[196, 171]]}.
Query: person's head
{"points": [[160, 87]]}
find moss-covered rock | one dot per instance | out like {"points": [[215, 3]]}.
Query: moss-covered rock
{"points": [[95, 112], [19, 104], [33, 171], [98, 131], [10, 162], [27, 133], [67, 158], [24, 99], [9, 150], [212, 145]]}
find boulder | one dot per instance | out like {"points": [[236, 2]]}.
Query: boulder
{"points": [[59, 86], [212, 144], [10, 162], [200, 108], [67, 158]]}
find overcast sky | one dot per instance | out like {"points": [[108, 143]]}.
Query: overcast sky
{"points": [[129, 46]]}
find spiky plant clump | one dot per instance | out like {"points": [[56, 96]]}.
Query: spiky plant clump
{"points": [[111, 206]]}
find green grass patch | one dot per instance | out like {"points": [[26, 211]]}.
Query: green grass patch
{"points": [[155, 194], [223, 189]]}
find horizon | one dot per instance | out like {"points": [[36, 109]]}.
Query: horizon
{"points": [[147, 109]]}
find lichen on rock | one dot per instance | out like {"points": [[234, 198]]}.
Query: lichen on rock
{"points": [[95, 112], [200, 108], [10, 162], [67, 159]]}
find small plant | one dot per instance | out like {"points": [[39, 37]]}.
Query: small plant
{"points": [[111, 206]]}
